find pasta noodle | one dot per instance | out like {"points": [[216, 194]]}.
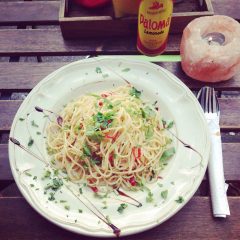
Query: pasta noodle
{"points": [[110, 140]]}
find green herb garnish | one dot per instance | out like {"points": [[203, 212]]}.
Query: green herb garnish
{"points": [[31, 185], [122, 207], [21, 119], [34, 124], [170, 125], [63, 201], [167, 154], [134, 92], [47, 174], [28, 174], [98, 70], [80, 210], [126, 70], [51, 198], [67, 207], [35, 177], [149, 197], [149, 132], [86, 150], [80, 190], [94, 135], [30, 142], [164, 194], [38, 133], [180, 199]]}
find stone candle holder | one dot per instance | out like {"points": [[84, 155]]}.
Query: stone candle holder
{"points": [[210, 48]]}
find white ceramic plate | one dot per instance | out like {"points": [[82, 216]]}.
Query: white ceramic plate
{"points": [[181, 177]]}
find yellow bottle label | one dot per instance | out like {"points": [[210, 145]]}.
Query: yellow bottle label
{"points": [[154, 20]]}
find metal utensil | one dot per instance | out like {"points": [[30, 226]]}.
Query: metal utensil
{"points": [[210, 105]]}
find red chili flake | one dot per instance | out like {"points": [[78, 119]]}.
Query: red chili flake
{"points": [[100, 104], [109, 121], [114, 137], [136, 153], [95, 189], [132, 181], [110, 158]]}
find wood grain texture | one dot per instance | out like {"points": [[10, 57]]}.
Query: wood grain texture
{"points": [[230, 112], [40, 12], [35, 42], [230, 8], [194, 221], [29, 74], [231, 158], [8, 110]]}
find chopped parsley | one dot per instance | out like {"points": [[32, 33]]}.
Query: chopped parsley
{"points": [[98, 70], [67, 207], [51, 198], [80, 190], [122, 207], [149, 132], [35, 177], [126, 70], [34, 124], [170, 125], [167, 154], [21, 119], [134, 92], [94, 135], [56, 171], [149, 197], [31, 185], [164, 194], [80, 210], [180, 199], [103, 121], [86, 150], [30, 142], [47, 174], [63, 201], [148, 112], [38, 133], [28, 174]]}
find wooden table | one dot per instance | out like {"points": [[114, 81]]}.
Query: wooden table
{"points": [[17, 219]]}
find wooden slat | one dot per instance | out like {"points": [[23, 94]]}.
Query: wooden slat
{"points": [[230, 112], [231, 156], [40, 12], [194, 221], [46, 12], [230, 8], [32, 42], [8, 110], [29, 74]]}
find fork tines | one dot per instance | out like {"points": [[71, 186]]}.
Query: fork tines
{"points": [[208, 99]]}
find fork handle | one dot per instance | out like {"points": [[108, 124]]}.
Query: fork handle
{"points": [[216, 174]]}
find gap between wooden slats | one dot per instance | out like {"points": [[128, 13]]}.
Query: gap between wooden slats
{"points": [[49, 42]]}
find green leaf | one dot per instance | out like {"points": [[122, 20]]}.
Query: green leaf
{"points": [[80, 190], [67, 207], [126, 70], [122, 207], [180, 199], [80, 210], [149, 132], [149, 197], [134, 92], [170, 125], [86, 150], [38, 133], [21, 119], [164, 194], [96, 136], [167, 154], [34, 124], [30, 142], [149, 112], [98, 70]]}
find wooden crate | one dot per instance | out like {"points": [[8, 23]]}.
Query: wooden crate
{"points": [[77, 22]]}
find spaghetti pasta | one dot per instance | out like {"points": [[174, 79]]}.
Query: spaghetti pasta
{"points": [[110, 140]]}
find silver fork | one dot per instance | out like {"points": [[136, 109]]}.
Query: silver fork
{"points": [[209, 102]]}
